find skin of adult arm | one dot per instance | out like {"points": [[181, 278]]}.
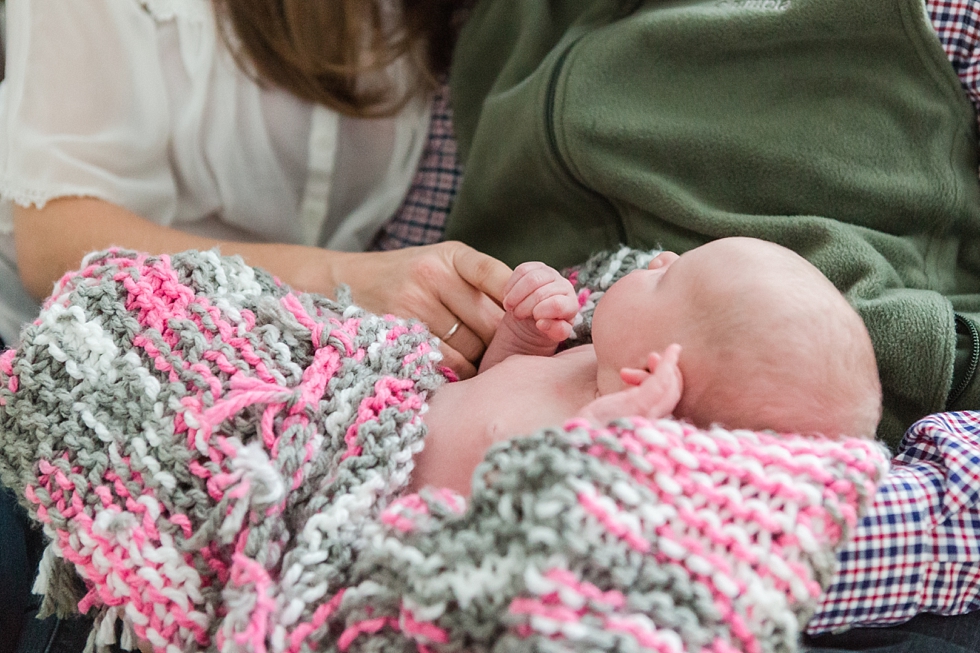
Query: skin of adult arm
{"points": [[437, 284]]}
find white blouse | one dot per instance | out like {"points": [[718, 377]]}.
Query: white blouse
{"points": [[139, 103]]}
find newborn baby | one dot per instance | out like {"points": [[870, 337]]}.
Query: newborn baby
{"points": [[738, 332]]}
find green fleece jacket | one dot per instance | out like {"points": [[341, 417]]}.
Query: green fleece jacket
{"points": [[833, 127]]}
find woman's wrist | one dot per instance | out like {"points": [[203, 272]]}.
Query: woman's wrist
{"points": [[53, 240], [306, 269]]}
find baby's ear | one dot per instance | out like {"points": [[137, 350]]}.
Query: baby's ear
{"points": [[662, 261], [671, 355], [633, 376]]}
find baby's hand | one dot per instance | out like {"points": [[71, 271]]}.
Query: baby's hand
{"points": [[658, 388], [654, 392], [539, 293]]}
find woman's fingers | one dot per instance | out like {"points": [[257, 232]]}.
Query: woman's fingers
{"points": [[479, 314], [460, 340], [458, 363], [488, 277], [438, 284], [458, 279], [483, 272], [472, 293], [461, 348]]}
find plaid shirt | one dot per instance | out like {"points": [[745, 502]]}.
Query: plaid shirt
{"points": [[421, 218], [918, 548], [957, 24]]}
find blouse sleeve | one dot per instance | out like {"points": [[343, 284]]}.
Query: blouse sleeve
{"points": [[84, 108]]}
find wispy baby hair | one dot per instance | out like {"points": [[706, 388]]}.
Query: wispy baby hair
{"points": [[787, 349]]}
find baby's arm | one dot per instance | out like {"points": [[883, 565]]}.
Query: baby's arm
{"points": [[540, 305], [653, 393]]}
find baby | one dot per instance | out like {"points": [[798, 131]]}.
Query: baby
{"points": [[738, 332]]}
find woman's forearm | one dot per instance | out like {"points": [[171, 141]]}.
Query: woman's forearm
{"points": [[53, 240], [440, 284]]}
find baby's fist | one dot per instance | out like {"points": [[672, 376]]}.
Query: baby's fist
{"points": [[539, 293]]}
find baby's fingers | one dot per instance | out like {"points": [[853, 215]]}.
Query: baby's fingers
{"points": [[559, 306], [666, 384], [670, 357], [633, 376], [556, 330], [526, 279], [554, 299]]}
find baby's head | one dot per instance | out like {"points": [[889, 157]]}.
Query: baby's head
{"points": [[767, 341]]}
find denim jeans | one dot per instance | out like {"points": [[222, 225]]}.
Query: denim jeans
{"points": [[20, 548], [927, 633], [20, 553]]}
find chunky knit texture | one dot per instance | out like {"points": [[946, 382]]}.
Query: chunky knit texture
{"points": [[594, 277], [220, 462]]}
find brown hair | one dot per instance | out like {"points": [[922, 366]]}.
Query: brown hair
{"points": [[336, 52]]}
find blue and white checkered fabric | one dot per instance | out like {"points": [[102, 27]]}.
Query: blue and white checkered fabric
{"points": [[918, 548]]}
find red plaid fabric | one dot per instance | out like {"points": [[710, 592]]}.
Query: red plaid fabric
{"points": [[421, 219], [957, 24], [917, 549]]}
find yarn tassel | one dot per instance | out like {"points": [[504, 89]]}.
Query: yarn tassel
{"points": [[58, 584]]}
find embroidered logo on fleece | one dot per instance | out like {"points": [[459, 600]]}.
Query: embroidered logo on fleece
{"points": [[757, 5]]}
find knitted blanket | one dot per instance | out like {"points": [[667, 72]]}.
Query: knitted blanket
{"points": [[220, 465]]}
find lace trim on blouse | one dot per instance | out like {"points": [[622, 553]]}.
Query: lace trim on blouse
{"points": [[28, 196], [162, 10]]}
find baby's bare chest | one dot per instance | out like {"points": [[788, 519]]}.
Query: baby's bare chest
{"points": [[525, 393]]}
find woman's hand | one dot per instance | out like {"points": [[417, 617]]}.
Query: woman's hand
{"points": [[441, 285]]}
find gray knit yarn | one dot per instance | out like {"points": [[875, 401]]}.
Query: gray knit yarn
{"points": [[92, 398], [594, 277]]}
